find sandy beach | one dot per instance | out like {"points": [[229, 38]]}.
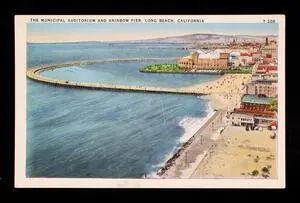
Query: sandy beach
{"points": [[238, 154], [235, 151], [225, 92], [196, 157]]}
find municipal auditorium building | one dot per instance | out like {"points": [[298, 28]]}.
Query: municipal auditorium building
{"points": [[205, 59]]}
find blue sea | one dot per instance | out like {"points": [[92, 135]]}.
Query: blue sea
{"points": [[107, 134]]}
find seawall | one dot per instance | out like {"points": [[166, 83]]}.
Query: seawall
{"points": [[34, 74]]}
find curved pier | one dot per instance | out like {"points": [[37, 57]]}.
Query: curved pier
{"points": [[34, 74]]}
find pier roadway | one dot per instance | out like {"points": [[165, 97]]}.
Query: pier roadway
{"points": [[34, 74]]}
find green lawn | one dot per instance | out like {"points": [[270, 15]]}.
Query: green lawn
{"points": [[236, 70], [163, 68]]}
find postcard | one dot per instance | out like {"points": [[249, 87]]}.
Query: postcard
{"points": [[150, 101]]}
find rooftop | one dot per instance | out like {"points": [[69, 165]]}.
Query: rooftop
{"points": [[267, 67], [263, 81], [268, 55], [256, 99], [266, 74], [269, 48], [234, 54], [208, 54], [274, 123], [254, 112], [188, 57], [270, 82]]}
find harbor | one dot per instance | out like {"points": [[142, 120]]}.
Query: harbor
{"points": [[34, 74]]}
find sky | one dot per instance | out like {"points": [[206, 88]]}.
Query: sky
{"points": [[72, 32]]}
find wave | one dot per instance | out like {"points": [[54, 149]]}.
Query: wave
{"points": [[192, 124], [154, 168], [153, 175]]}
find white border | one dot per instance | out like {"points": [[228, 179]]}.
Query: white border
{"points": [[20, 118]]}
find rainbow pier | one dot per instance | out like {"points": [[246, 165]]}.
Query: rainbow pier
{"points": [[34, 74]]}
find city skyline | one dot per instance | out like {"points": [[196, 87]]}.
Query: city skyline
{"points": [[76, 32]]}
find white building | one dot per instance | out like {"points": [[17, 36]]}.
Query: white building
{"points": [[234, 58], [240, 119], [266, 76], [245, 58]]}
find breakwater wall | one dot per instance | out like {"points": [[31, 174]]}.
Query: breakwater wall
{"points": [[34, 74]]}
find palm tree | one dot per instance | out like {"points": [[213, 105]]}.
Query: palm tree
{"points": [[274, 105]]}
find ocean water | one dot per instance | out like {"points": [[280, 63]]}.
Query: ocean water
{"points": [[106, 134], [126, 73]]}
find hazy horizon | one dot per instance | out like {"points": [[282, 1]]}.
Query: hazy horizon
{"points": [[115, 32]]}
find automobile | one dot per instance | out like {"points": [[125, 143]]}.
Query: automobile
{"points": [[273, 136], [221, 130]]}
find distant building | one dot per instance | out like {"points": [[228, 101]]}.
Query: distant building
{"points": [[267, 88], [268, 59], [269, 49], [263, 69], [272, 51], [245, 58], [265, 76], [205, 59], [256, 56], [233, 44], [234, 58], [273, 43]]}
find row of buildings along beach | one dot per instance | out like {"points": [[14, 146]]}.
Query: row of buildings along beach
{"points": [[258, 105]]}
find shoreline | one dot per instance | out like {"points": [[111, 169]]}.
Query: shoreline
{"points": [[222, 93], [185, 145], [180, 166], [191, 153]]}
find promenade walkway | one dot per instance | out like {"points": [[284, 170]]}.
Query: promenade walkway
{"points": [[185, 161], [34, 74]]}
